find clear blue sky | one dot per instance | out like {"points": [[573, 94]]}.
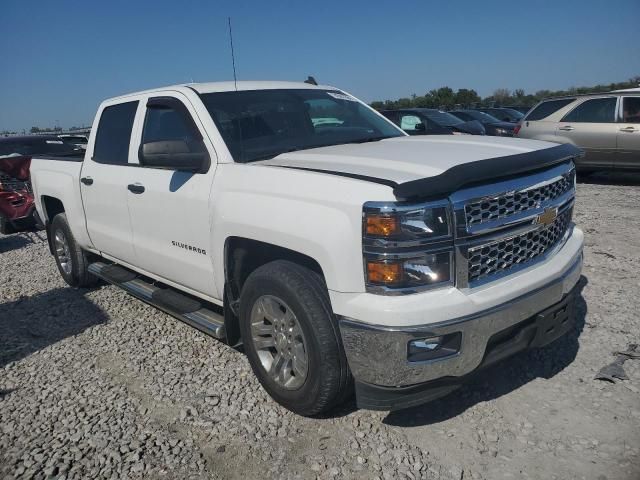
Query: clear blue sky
{"points": [[61, 58]]}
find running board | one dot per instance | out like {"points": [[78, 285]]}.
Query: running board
{"points": [[169, 300]]}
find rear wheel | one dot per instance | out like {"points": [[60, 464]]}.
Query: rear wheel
{"points": [[71, 259], [291, 338]]}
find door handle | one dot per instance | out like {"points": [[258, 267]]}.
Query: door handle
{"points": [[87, 180], [629, 129], [136, 188], [567, 128]]}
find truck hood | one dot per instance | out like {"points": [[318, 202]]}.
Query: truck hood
{"points": [[404, 159]]}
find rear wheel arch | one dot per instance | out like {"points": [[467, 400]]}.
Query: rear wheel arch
{"points": [[52, 206]]}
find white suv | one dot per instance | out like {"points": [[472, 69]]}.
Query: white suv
{"points": [[606, 126]]}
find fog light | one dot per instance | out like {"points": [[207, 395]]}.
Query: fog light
{"points": [[432, 348]]}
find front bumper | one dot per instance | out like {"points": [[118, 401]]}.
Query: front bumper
{"points": [[377, 355]]}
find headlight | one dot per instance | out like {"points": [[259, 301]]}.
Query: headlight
{"points": [[407, 248], [503, 131]]}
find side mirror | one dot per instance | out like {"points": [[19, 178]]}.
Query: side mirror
{"points": [[173, 155], [420, 127]]}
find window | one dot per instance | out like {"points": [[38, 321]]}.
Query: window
{"points": [[409, 122], [547, 108], [261, 124], [631, 109], [598, 110], [169, 127], [114, 134]]}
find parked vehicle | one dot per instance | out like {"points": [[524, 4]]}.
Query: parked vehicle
{"points": [[80, 141], [504, 114], [29, 145], [492, 125], [523, 109], [428, 121], [606, 126], [339, 255], [17, 208]]}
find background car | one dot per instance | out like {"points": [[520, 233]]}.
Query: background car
{"points": [[503, 113], [606, 126], [17, 209], [491, 124], [79, 141], [30, 145], [523, 109], [429, 121]]}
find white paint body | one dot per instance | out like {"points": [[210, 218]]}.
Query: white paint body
{"points": [[312, 213]]}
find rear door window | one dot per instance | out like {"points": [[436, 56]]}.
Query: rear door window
{"points": [[547, 108], [631, 109], [114, 134], [597, 110]]}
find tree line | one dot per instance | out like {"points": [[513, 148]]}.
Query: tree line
{"points": [[445, 98]]}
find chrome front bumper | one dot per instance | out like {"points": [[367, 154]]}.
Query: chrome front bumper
{"points": [[377, 355]]}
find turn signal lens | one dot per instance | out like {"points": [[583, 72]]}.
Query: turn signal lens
{"points": [[384, 273], [381, 225]]}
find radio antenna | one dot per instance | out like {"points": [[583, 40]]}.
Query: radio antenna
{"points": [[233, 57]]}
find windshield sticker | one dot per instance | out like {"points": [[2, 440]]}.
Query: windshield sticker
{"points": [[342, 96], [57, 142]]}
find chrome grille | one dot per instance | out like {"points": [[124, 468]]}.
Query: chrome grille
{"points": [[504, 205], [504, 254]]}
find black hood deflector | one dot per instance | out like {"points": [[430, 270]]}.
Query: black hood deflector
{"points": [[480, 171], [466, 174]]}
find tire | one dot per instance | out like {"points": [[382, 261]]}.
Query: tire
{"points": [[71, 260], [300, 293]]}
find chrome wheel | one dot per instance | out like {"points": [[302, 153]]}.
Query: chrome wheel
{"points": [[279, 342], [63, 253]]}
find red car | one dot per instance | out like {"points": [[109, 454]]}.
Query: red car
{"points": [[16, 197], [17, 209]]}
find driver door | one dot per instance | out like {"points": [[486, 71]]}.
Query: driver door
{"points": [[169, 208]]}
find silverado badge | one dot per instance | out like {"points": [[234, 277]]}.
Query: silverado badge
{"points": [[547, 217]]}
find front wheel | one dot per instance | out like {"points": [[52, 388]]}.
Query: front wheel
{"points": [[71, 259], [291, 338]]}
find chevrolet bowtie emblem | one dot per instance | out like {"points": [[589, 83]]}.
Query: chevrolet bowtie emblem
{"points": [[548, 216]]}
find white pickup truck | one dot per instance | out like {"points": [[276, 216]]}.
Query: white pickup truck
{"points": [[341, 253]]}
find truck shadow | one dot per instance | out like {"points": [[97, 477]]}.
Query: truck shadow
{"points": [[501, 378], [24, 329]]}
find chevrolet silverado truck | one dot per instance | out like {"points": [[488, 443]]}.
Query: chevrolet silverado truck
{"points": [[342, 254]]}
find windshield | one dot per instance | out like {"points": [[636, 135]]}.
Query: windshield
{"points": [[514, 113], [441, 118], [482, 117], [261, 124]]}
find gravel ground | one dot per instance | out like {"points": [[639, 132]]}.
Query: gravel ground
{"points": [[95, 384]]}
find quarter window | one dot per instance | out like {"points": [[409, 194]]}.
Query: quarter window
{"points": [[547, 108], [114, 134], [598, 110]]}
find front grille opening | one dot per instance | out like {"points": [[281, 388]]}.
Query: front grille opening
{"points": [[511, 203], [502, 255]]}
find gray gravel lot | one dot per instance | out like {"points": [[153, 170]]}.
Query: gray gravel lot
{"points": [[96, 384]]}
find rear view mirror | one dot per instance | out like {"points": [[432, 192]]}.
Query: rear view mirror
{"points": [[173, 155]]}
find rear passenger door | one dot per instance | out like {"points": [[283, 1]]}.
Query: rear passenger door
{"points": [[170, 208], [628, 156], [104, 193], [591, 126]]}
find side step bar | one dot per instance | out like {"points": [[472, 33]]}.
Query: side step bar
{"points": [[183, 307]]}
